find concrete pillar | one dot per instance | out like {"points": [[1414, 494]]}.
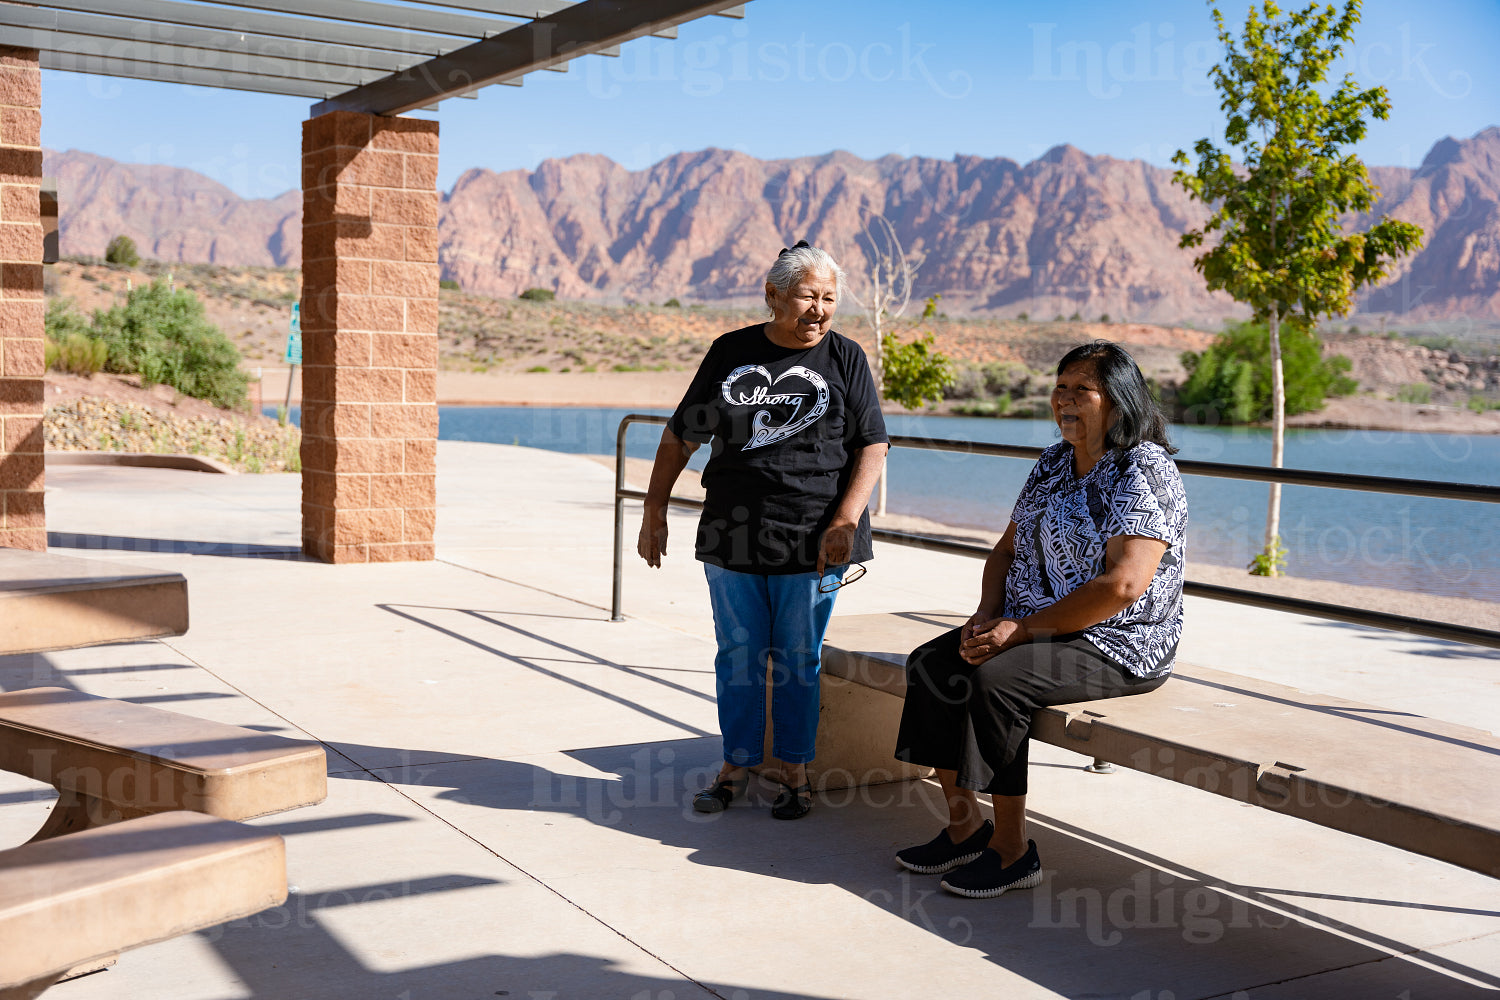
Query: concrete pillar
{"points": [[369, 332], [22, 352]]}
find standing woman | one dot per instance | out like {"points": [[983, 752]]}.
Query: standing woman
{"points": [[1081, 599], [798, 443]]}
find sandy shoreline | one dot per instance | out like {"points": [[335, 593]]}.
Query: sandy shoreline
{"points": [[1454, 610]]}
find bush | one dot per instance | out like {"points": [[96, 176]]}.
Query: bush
{"points": [[997, 407], [672, 304], [76, 354], [1415, 392], [538, 295], [449, 285], [162, 335], [1233, 377], [121, 250], [69, 344]]}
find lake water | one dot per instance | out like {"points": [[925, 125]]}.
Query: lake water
{"points": [[1447, 547]]}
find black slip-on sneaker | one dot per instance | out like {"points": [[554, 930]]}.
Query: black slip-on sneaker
{"points": [[988, 876], [941, 854]]}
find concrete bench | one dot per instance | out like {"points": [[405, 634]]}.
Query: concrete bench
{"points": [[76, 901], [1418, 784], [62, 602], [113, 760]]}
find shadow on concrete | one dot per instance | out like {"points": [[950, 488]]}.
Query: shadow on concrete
{"points": [[287, 952], [640, 673], [1109, 920], [28, 670], [173, 546], [1426, 645]]}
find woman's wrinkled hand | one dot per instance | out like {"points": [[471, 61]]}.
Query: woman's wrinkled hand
{"points": [[652, 542], [990, 638], [978, 621], [836, 545]]}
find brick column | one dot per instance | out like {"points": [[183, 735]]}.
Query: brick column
{"points": [[369, 329], [22, 354]]}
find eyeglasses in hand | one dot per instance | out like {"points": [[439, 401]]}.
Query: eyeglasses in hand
{"points": [[850, 576]]}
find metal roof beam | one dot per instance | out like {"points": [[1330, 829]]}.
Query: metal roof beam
{"points": [[72, 28], [272, 25], [385, 15], [333, 77], [573, 31], [104, 66]]}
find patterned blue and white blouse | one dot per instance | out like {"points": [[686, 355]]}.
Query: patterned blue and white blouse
{"points": [[1062, 524]]}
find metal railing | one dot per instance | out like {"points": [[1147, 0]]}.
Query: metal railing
{"points": [[1253, 473]]}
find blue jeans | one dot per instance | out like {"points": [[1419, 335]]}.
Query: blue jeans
{"points": [[783, 618]]}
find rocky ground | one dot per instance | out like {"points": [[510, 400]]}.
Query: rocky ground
{"points": [[114, 413]]}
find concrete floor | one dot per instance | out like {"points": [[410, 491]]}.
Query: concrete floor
{"points": [[509, 811]]}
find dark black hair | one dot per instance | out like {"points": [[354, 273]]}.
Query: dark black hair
{"points": [[1137, 417]]}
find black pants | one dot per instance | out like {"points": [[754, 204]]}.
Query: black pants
{"points": [[977, 720]]}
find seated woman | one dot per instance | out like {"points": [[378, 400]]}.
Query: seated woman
{"points": [[1081, 599]]}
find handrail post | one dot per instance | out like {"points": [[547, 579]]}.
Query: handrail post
{"points": [[615, 613]]}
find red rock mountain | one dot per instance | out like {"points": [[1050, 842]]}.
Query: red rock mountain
{"points": [[1067, 232]]}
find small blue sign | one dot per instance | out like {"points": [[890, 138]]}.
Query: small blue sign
{"points": [[294, 338]]}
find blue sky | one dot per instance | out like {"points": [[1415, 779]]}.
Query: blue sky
{"points": [[795, 78]]}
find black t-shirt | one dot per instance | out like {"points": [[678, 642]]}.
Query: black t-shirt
{"points": [[785, 425]]}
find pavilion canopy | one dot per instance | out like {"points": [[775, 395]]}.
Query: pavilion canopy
{"points": [[356, 55]]}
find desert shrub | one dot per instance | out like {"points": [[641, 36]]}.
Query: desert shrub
{"points": [[997, 407], [121, 250], [1233, 377], [162, 335], [70, 347], [1415, 392], [672, 303], [77, 354], [538, 295], [63, 320], [448, 284]]}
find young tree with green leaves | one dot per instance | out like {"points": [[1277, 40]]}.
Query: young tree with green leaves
{"points": [[914, 374], [1280, 248]]}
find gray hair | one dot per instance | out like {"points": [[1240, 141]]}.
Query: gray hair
{"points": [[797, 263]]}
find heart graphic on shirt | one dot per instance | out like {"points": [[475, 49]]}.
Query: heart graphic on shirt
{"points": [[752, 385]]}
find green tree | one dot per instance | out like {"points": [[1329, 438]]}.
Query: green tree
{"points": [[914, 374], [1232, 380], [538, 295], [162, 335], [1280, 248], [121, 250]]}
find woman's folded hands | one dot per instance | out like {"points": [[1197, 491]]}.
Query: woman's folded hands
{"points": [[987, 633]]}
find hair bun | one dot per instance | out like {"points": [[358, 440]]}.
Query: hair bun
{"points": [[795, 246]]}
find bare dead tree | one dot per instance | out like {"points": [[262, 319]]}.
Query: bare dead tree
{"points": [[888, 277]]}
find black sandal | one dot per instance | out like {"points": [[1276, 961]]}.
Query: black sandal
{"points": [[717, 797], [793, 803]]}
